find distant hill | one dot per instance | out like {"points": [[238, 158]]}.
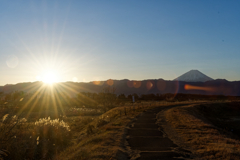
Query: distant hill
{"points": [[193, 76], [160, 86]]}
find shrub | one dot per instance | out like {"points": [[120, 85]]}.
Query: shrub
{"points": [[12, 130], [22, 140], [54, 132], [10, 127]]}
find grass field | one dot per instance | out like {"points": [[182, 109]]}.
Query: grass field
{"points": [[83, 134], [209, 131], [104, 137]]}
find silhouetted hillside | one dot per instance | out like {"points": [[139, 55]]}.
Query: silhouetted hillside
{"points": [[160, 86]]}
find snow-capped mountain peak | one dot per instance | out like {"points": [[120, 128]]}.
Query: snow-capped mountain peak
{"points": [[193, 76]]}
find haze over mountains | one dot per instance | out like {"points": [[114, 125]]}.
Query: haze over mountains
{"points": [[192, 82]]}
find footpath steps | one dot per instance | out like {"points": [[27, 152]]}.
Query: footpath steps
{"points": [[145, 137], [135, 132], [159, 156]]}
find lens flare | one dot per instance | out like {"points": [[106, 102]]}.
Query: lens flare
{"points": [[130, 84], [191, 87], [12, 61], [98, 82], [149, 85], [137, 84], [161, 85], [110, 82]]}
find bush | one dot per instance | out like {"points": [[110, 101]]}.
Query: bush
{"points": [[22, 140], [54, 132], [12, 131], [10, 127]]}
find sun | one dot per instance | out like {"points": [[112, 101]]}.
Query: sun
{"points": [[50, 77]]}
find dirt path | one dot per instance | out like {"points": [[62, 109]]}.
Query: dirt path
{"points": [[147, 138]]}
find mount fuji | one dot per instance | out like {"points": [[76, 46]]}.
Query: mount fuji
{"points": [[193, 76]]}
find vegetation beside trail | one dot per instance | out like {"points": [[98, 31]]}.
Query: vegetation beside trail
{"points": [[73, 137], [20, 139], [104, 137], [53, 125], [210, 130]]}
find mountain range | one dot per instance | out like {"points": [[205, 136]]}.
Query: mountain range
{"points": [[192, 82]]}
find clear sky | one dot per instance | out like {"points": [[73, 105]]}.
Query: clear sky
{"points": [[99, 40]]}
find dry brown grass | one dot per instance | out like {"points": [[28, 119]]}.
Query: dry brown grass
{"points": [[26, 140], [94, 137], [104, 138], [194, 132]]}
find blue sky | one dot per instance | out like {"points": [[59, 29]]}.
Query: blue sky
{"points": [[99, 40]]}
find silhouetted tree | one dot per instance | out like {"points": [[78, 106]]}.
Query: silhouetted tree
{"points": [[129, 97], [8, 97], [136, 97], [108, 97], [121, 96]]}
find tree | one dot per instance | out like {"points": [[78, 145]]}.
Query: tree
{"points": [[129, 97], [108, 97], [18, 94], [136, 97], [8, 97], [121, 96]]}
